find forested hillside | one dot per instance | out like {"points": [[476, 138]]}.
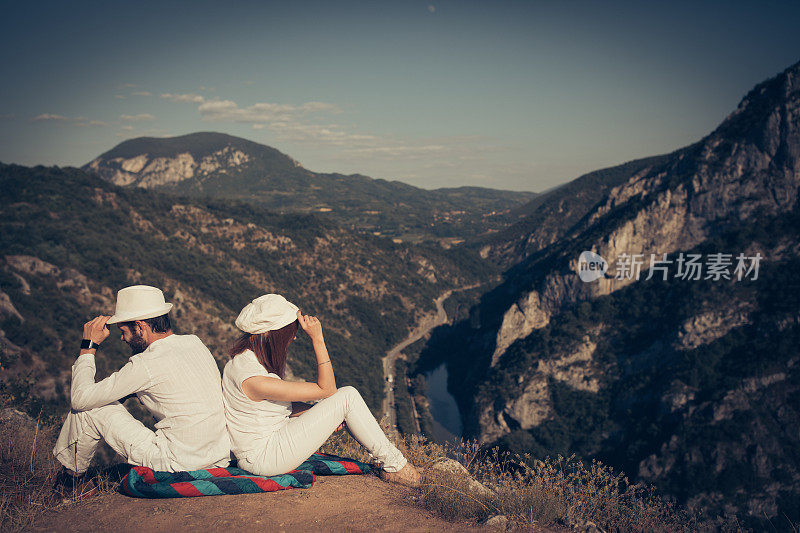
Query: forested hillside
{"points": [[70, 240]]}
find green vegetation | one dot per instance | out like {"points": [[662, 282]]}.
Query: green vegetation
{"points": [[402, 399], [211, 257]]}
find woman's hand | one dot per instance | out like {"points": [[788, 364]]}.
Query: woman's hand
{"points": [[310, 325]]}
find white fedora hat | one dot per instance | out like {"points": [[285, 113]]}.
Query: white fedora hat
{"points": [[138, 303]]}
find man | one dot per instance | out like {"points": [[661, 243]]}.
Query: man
{"points": [[174, 376]]}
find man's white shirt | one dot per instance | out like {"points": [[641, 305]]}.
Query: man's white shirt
{"points": [[177, 379]]}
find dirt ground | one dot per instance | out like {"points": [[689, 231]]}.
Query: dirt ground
{"points": [[334, 503]]}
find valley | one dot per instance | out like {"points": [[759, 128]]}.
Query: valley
{"points": [[688, 385]]}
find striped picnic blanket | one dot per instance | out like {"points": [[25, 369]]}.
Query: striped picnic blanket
{"points": [[143, 482]]}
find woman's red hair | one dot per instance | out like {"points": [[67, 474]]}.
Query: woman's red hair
{"points": [[269, 347]]}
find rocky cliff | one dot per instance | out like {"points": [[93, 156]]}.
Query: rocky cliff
{"points": [[690, 384]]}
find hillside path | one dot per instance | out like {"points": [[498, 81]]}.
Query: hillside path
{"points": [[423, 328], [334, 503]]}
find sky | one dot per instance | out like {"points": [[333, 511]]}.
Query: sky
{"points": [[509, 95]]}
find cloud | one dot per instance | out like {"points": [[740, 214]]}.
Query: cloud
{"points": [[290, 122], [76, 121], [126, 85], [142, 93], [84, 123], [326, 133], [120, 96], [319, 106], [189, 98], [127, 127], [400, 150], [49, 116], [262, 112], [137, 118]]}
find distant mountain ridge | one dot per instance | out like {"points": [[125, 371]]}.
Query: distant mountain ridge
{"points": [[223, 166], [550, 215]]}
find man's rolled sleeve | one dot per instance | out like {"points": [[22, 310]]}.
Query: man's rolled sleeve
{"points": [[86, 394]]}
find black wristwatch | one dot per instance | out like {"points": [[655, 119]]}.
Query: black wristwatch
{"points": [[87, 344]]}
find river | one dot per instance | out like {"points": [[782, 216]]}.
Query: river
{"points": [[446, 418]]}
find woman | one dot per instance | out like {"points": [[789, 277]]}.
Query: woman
{"points": [[271, 431]]}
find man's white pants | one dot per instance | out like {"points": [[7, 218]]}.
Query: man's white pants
{"points": [[304, 434], [82, 430]]}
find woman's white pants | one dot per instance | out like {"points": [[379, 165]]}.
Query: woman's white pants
{"points": [[304, 434]]}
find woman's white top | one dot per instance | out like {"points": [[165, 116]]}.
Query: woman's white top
{"points": [[250, 423]]}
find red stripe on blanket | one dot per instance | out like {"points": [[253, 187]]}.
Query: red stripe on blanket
{"points": [[146, 474], [185, 488], [267, 485], [351, 468], [219, 472]]}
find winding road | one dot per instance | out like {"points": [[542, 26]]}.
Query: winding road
{"points": [[428, 323]]}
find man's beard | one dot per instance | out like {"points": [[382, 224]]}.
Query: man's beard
{"points": [[137, 343]]}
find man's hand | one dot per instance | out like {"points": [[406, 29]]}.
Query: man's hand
{"points": [[96, 330], [310, 325]]}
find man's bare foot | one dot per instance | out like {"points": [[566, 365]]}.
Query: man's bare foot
{"points": [[408, 476]]}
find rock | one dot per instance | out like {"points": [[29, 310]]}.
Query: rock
{"points": [[147, 173], [710, 326], [520, 320], [533, 406], [32, 265], [9, 414], [455, 468], [7, 307], [576, 368], [499, 521], [587, 526], [678, 395]]}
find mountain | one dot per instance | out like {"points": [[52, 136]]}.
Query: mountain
{"points": [[221, 166], [70, 240], [691, 385], [546, 218], [212, 163]]}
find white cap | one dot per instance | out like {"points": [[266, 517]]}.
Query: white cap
{"points": [[266, 313], [138, 303]]}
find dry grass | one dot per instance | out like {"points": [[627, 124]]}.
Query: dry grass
{"points": [[559, 491], [27, 471]]}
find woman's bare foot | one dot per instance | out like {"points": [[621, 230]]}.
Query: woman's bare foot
{"points": [[408, 476]]}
